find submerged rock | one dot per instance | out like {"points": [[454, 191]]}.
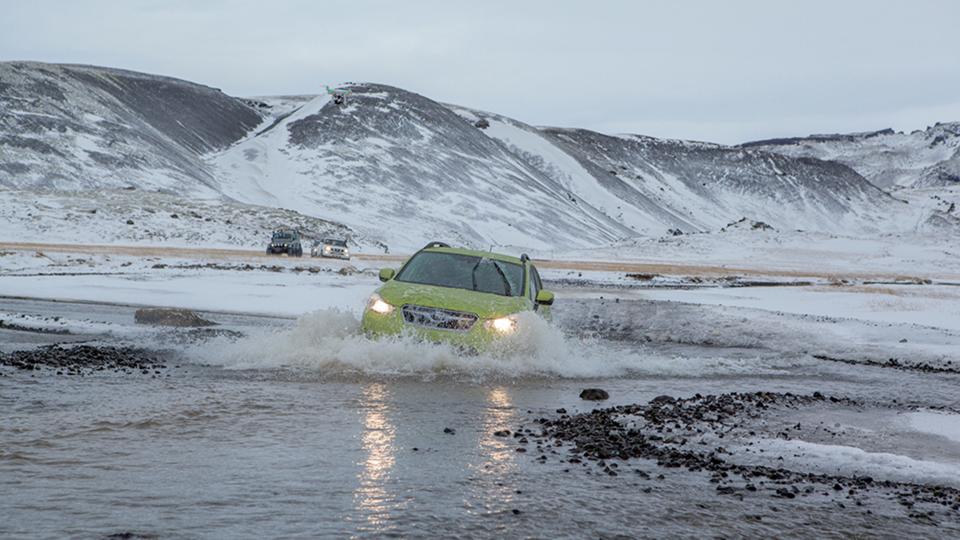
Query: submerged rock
{"points": [[594, 394], [170, 317], [347, 270]]}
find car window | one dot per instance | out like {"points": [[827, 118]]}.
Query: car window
{"points": [[463, 272]]}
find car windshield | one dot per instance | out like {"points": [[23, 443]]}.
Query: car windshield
{"points": [[464, 272], [282, 236], [339, 243]]}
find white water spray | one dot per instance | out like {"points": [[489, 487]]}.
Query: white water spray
{"points": [[330, 342]]}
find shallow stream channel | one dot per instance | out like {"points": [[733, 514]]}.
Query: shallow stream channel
{"points": [[717, 423]]}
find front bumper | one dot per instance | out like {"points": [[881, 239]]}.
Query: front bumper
{"points": [[377, 325], [335, 255]]}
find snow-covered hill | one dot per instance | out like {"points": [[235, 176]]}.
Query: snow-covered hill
{"points": [[397, 167], [81, 127], [416, 169], [889, 159], [396, 162], [647, 183], [133, 217]]}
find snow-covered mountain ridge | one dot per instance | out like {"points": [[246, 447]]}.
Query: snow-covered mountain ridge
{"points": [[889, 159], [392, 159], [81, 127], [397, 167]]}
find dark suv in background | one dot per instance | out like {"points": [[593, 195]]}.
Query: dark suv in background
{"points": [[285, 241]]}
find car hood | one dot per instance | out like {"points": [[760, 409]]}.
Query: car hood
{"points": [[486, 305]]}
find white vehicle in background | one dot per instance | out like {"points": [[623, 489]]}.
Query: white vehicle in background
{"points": [[331, 247]]}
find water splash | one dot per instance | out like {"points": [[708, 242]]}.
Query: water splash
{"points": [[330, 342]]}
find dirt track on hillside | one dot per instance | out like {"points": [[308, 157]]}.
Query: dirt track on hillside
{"points": [[637, 267]]}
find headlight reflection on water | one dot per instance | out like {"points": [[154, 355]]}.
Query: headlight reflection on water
{"points": [[372, 498], [497, 456]]}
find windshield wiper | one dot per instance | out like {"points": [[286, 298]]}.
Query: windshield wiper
{"points": [[473, 273], [503, 276]]}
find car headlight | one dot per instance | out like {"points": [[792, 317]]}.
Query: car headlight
{"points": [[378, 305], [503, 325]]}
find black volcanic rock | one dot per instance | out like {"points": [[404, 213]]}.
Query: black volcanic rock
{"points": [[170, 317], [594, 394]]}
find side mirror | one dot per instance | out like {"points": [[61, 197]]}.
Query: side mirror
{"points": [[545, 298], [386, 274]]}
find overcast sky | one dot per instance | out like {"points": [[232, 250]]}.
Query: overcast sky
{"points": [[724, 71]]}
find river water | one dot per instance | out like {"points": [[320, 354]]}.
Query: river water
{"points": [[303, 429]]}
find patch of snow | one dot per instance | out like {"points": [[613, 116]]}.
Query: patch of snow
{"points": [[940, 423], [850, 461]]}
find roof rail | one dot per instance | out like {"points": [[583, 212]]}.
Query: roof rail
{"points": [[435, 245]]}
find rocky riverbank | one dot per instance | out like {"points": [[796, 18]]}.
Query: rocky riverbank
{"points": [[86, 359], [690, 433]]}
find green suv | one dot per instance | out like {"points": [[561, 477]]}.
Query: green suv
{"points": [[460, 296]]}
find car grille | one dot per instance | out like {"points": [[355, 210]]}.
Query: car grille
{"points": [[441, 319]]}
